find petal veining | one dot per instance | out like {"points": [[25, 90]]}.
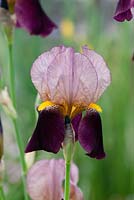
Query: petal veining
{"points": [[72, 78], [103, 73], [39, 71]]}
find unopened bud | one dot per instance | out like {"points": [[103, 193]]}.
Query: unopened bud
{"points": [[7, 104]]}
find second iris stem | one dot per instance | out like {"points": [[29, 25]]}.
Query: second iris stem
{"points": [[67, 180], [17, 134]]}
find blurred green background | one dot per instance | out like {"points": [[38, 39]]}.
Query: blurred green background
{"points": [[86, 22]]}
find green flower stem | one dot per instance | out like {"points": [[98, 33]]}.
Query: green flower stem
{"points": [[12, 74], [18, 137], [67, 181], [2, 195]]}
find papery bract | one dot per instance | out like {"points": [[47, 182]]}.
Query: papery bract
{"points": [[6, 103]]}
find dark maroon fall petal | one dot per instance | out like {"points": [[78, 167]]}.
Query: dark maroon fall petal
{"points": [[75, 123], [90, 134], [31, 17], [123, 11], [49, 132]]}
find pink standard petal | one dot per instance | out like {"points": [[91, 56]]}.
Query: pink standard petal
{"points": [[39, 71], [103, 73], [71, 78], [59, 76]]}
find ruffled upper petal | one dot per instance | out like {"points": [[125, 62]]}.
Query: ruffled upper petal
{"points": [[123, 11], [31, 17], [49, 132], [103, 73], [62, 75], [90, 134], [39, 71], [71, 78]]}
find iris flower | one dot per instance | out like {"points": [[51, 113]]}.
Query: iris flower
{"points": [[45, 181], [28, 15], [123, 10], [69, 83]]}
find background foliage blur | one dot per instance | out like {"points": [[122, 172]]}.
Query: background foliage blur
{"points": [[80, 22]]}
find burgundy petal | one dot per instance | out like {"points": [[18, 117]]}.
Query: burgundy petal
{"points": [[90, 134], [75, 123], [123, 11], [49, 132], [31, 17]]}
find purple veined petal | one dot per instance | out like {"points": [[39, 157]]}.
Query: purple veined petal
{"points": [[39, 71], [31, 17], [49, 132], [75, 124], [123, 11], [85, 81], [103, 73], [59, 76], [71, 78], [90, 135]]}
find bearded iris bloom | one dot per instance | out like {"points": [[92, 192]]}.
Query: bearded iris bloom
{"points": [[69, 83], [123, 10], [28, 15]]}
